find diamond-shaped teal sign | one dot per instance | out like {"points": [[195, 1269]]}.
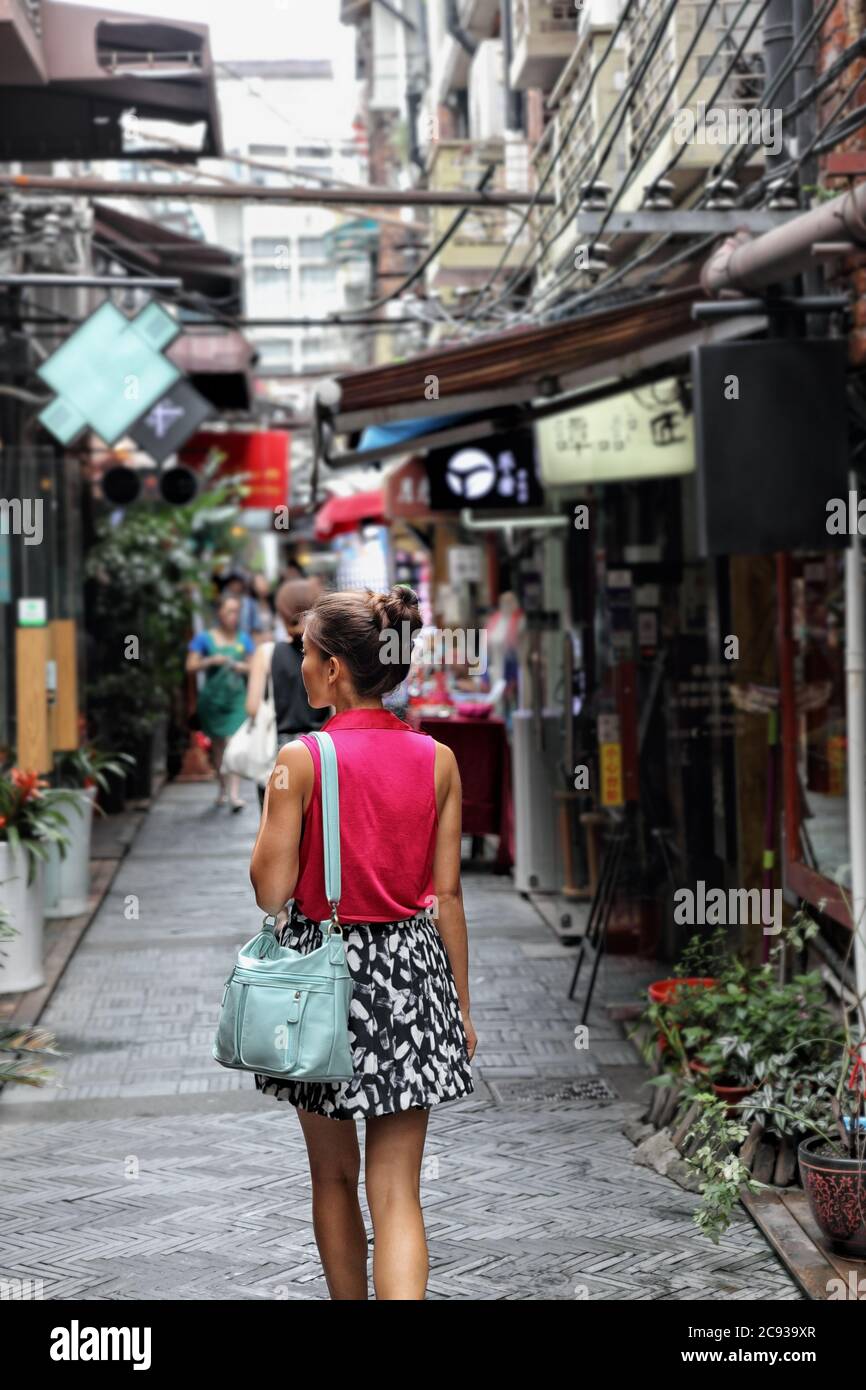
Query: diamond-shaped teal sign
{"points": [[109, 373]]}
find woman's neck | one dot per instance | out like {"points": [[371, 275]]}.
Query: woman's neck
{"points": [[343, 703]]}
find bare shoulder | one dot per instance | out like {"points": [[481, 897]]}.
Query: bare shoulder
{"points": [[298, 761], [445, 767]]}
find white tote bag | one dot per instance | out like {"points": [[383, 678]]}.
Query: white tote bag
{"points": [[252, 750]]}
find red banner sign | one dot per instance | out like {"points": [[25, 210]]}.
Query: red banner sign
{"points": [[263, 455]]}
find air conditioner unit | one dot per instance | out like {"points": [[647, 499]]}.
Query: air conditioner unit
{"points": [[487, 92], [535, 779]]}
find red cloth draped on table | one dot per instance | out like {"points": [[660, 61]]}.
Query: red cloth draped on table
{"points": [[484, 759]]}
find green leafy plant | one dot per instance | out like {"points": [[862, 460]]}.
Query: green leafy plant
{"points": [[88, 766], [30, 818], [148, 574], [22, 1048], [722, 1172]]}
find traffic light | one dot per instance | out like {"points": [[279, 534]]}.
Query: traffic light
{"points": [[121, 486]]}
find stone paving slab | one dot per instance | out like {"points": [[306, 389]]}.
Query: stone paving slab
{"points": [[149, 1172]]}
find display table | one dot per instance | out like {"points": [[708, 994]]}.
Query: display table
{"points": [[484, 760]]}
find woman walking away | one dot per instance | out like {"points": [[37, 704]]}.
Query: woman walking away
{"points": [[282, 660], [404, 931], [223, 653]]}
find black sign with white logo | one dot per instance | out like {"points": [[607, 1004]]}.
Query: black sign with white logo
{"points": [[169, 423], [497, 473]]}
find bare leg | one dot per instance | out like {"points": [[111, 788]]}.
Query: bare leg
{"points": [[392, 1178], [335, 1166], [234, 788], [217, 748]]}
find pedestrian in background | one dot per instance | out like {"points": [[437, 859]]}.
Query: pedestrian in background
{"points": [[257, 610], [404, 932], [223, 653], [282, 660]]}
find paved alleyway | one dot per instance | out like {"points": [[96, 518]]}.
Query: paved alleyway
{"points": [[155, 1174]]}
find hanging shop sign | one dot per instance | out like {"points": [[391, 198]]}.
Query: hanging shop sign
{"points": [[262, 457], [498, 473], [610, 761], [630, 437], [406, 491], [169, 423], [32, 612], [109, 372], [465, 564]]}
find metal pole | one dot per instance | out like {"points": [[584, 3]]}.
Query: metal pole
{"points": [[778, 35], [855, 713], [91, 282], [252, 192]]}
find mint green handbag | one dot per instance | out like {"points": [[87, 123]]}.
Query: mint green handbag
{"points": [[286, 1014]]}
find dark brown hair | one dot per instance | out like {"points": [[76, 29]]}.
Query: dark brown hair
{"points": [[351, 624], [293, 598]]}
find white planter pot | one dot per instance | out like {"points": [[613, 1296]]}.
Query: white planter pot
{"points": [[67, 880], [21, 961]]}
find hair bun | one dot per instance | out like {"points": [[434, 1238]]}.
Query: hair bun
{"points": [[398, 605]]}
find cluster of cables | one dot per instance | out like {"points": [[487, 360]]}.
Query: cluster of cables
{"points": [[558, 295]]}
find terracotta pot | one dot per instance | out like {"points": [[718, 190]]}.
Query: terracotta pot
{"points": [[732, 1095], [836, 1190], [662, 991]]}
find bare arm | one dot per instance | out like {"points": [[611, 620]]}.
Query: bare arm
{"points": [[451, 920], [274, 863], [259, 667], [196, 662]]}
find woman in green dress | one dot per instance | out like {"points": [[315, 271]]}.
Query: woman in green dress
{"points": [[223, 652]]}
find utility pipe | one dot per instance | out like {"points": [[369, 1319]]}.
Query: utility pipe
{"points": [[744, 262], [356, 196], [855, 714]]}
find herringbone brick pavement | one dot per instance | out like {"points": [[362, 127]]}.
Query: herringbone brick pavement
{"points": [[149, 1172]]}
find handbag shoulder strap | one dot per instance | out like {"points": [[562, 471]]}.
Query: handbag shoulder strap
{"points": [[269, 678], [330, 819]]}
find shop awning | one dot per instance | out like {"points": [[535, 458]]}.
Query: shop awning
{"points": [[517, 367], [154, 249], [70, 74], [341, 514]]}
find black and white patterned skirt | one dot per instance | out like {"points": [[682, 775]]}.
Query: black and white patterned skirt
{"points": [[408, 1041]]}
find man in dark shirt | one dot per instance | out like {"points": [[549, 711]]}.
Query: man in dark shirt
{"points": [[279, 663]]}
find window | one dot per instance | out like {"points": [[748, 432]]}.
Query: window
{"points": [[312, 151], [275, 352], [317, 277], [267, 152], [271, 248], [311, 248], [268, 276]]}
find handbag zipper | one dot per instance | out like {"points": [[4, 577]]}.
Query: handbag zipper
{"points": [[239, 1022], [249, 978]]}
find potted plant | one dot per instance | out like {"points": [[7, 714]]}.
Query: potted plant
{"points": [[29, 824], [21, 1048], [81, 774], [832, 1163]]}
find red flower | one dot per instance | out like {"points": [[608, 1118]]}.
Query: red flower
{"points": [[3, 822], [28, 783], [858, 1072]]}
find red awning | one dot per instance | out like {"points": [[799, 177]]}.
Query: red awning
{"points": [[341, 514]]}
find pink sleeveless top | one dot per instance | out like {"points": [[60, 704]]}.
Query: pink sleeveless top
{"points": [[388, 820]]}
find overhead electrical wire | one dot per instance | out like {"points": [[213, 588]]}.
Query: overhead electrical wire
{"points": [[555, 158], [671, 164], [730, 161]]}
